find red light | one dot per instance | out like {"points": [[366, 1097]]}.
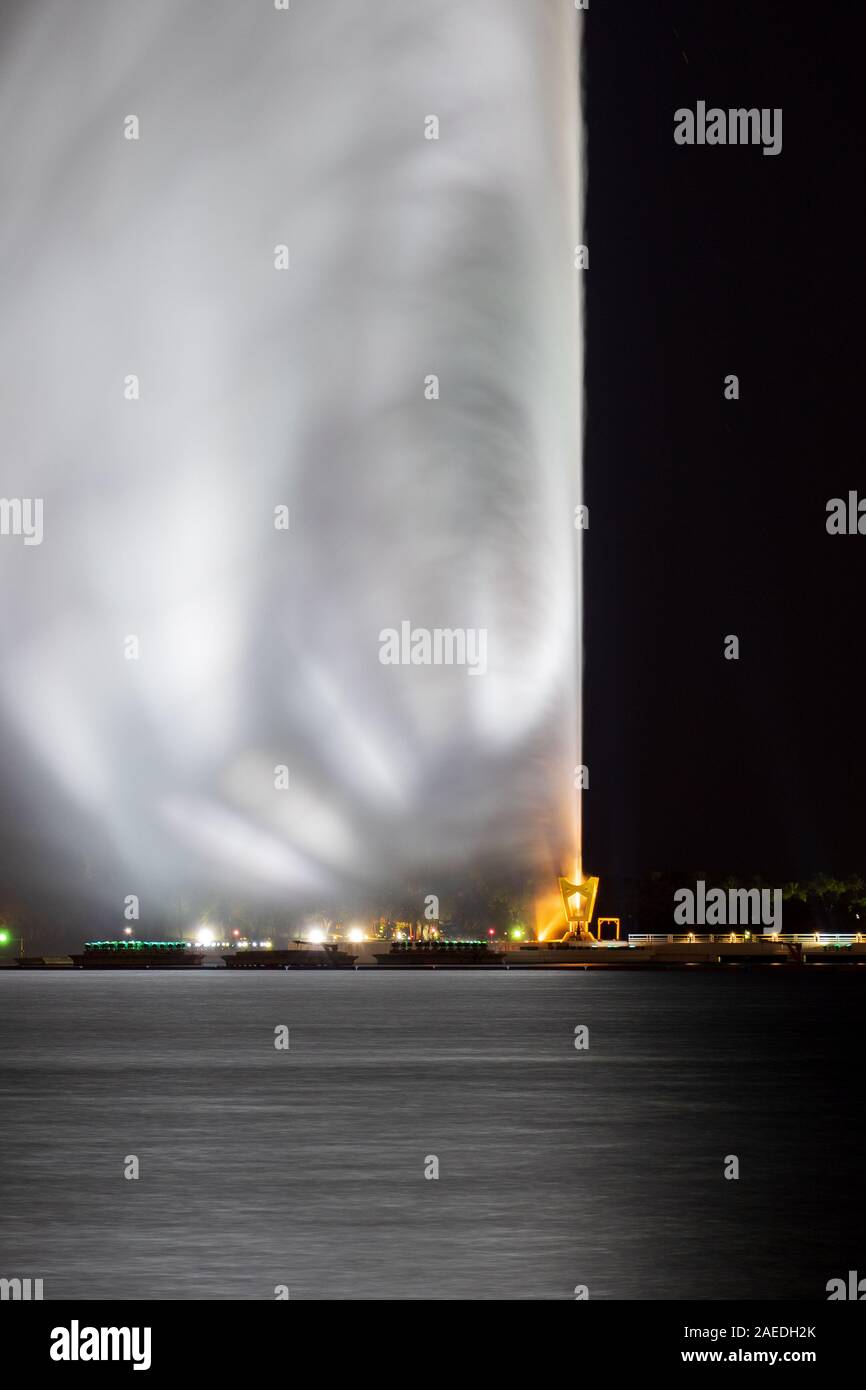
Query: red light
{"points": [[490, 931]]}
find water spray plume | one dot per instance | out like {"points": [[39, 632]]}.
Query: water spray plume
{"points": [[412, 260]]}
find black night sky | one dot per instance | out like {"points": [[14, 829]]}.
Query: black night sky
{"points": [[708, 516]]}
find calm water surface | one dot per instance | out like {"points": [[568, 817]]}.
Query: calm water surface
{"points": [[261, 1167]]}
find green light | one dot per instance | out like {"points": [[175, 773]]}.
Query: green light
{"points": [[125, 944], [4, 938]]}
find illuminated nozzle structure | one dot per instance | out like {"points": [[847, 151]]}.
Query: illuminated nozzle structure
{"points": [[578, 899]]}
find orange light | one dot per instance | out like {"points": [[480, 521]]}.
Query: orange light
{"points": [[550, 923]]}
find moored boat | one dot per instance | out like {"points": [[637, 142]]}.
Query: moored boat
{"points": [[129, 954], [328, 956]]}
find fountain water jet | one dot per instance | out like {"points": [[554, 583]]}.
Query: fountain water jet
{"points": [[306, 388]]}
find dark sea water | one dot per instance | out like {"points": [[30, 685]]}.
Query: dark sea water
{"points": [[557, 1167]]}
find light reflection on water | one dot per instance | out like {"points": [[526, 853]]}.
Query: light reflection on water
{"points": [[305, 1168]]}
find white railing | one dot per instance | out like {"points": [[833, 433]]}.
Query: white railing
{"points": [[739, 938]]}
